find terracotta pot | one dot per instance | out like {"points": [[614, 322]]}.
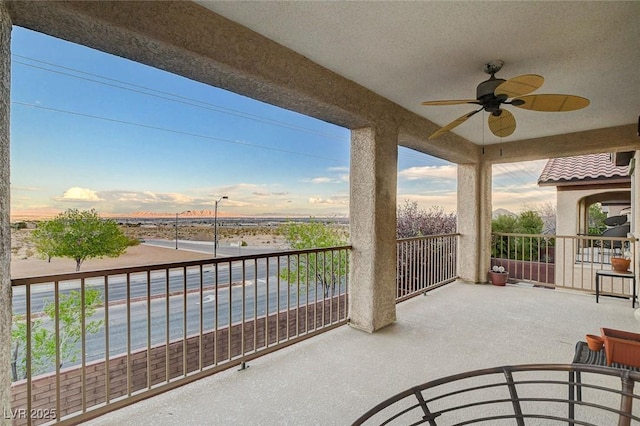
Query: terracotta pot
{"points": [[498, 278], [594, 342], [620, 264]]}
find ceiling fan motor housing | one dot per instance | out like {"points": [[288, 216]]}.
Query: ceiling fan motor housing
{"points": [[485, 94]]}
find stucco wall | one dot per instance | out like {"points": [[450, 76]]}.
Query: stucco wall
{"points": [[5, 202]]}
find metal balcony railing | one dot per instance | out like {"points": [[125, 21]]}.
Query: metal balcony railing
{"points": [[425, 263], [154, 328], [86, 343], [562, 261]]}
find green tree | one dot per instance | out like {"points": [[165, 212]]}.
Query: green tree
{"points": [[529, 222], [595, 220], [79, 235], [43, 335], [45, 238], [505, 224], [520, 248], [325, 269]]}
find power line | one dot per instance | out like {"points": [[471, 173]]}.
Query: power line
{"points": [[180, 132], [172, 97], [421, 156], [510, 169]]}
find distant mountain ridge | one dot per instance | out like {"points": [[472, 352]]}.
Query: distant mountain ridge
{"points": [[194, 214], [502, 212], [191, 213]]}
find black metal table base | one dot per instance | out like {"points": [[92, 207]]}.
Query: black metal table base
{"points": [[615, 274], [584, 355]]}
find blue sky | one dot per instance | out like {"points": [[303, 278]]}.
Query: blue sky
{"points": [[91, 130]]}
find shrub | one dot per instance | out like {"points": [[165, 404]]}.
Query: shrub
{"points": [[518, 247], [415, 222]]}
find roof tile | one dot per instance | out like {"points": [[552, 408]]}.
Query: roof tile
{"points": [[581, 168]]}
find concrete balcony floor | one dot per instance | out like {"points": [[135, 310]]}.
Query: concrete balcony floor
{"points": [[334, 378]]}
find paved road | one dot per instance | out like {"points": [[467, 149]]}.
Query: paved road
{"points": [[207, 247], [134, 322], [119, 291], [217, 309]]}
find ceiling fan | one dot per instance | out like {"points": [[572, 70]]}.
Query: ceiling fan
{"points": [[493, 93]]}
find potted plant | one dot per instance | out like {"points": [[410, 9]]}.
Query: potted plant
{"points": [[621, 263], [498, 275]]}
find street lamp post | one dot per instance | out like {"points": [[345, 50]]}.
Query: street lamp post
{"points": [[215, 227], [187, 211]]}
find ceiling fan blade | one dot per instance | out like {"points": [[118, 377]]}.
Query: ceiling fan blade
{"points": [[502, 125], [451, 102], [519, 86], [455, 123], [551, 103]]}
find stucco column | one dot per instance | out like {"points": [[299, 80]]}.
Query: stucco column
{"points": [[373, 182], [474, 221], [5, 229]]}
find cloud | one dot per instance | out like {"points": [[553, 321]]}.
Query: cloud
{"points": [[242, 187], [334, 175], [340, 169], [26, 188], [127, 199], [516, 199], [145, 197], [342, 200], [526, 169], [321, 179], [76, 194], [269, 194], [326, 179], [429, 172]]}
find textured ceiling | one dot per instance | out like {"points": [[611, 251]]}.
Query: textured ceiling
{"points": [[410, 52]]}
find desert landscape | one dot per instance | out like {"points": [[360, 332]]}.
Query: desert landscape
{"points": [[25, 261]]}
